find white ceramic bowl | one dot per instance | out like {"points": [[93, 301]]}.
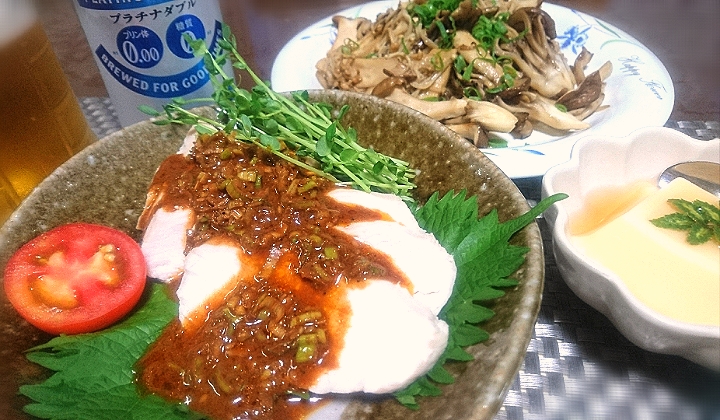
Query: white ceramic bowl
{"points": [[599, 161]]}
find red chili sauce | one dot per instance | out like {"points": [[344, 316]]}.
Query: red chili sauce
{"points": [[264, 343]]}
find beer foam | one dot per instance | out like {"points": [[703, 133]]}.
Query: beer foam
{"points": [[16, 16]]}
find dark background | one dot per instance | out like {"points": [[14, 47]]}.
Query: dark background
{"points": [[684, 34]]}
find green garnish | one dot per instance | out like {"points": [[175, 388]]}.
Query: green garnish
{"points": [[484, 260], [489, 30], [497, 143], [699, 218], [309, 130], [462, 67], [427, 12]]}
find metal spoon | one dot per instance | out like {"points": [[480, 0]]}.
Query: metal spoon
{"points": [[705, 175]]}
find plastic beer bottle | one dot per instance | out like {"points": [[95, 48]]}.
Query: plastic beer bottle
{"points": [[141, 49]]}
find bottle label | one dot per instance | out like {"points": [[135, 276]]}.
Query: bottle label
{"points": [[145, 56], [119, 4], [142, 49]]}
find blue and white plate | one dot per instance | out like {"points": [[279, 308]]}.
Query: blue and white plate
{"points": [[639, 92]]}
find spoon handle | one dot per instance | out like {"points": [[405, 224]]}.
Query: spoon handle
{"points": [[705, 175]]}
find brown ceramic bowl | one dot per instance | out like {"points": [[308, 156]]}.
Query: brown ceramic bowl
{"points": [[106, 183]]}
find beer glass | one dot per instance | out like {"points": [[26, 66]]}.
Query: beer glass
{"points": [[41, 122]]}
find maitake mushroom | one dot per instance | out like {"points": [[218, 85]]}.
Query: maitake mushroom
{"points": [[521, 82]]}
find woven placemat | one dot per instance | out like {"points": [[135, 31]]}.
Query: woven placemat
{"points": [[101, 115], [702, 130], [577, 366]]}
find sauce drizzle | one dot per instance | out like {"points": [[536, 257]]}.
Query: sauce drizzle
{"points": [[282, 325]]}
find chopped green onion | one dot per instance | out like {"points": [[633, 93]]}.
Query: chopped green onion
{"points": [[330, 252], [249, 176], [232, 190], [310, 184], [305, 317], [307, 345]]}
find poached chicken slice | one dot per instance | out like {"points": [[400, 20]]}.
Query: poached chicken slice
{"points": [[163, 243], [390, 204], [392, 339], [427, 265], [211, 270]]}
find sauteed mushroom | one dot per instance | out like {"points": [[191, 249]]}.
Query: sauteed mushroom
{"points": [[536, 55], [485, 66]]}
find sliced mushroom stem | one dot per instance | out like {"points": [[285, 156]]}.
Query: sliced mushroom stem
{"points": [[467, 46], [581, 61], [590, 109], [492, 117], [605, 70], [473, 132], [588, 91], [347, 30], [544, 110], [438, 110]]}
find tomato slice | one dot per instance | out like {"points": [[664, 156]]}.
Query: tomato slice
{"points": [[76, 278]]}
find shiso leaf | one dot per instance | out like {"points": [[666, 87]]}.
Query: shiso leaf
{"points": [[94, 377], [485, 259]]}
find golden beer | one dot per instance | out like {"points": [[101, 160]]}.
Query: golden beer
{"points": [[41, 123]]}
